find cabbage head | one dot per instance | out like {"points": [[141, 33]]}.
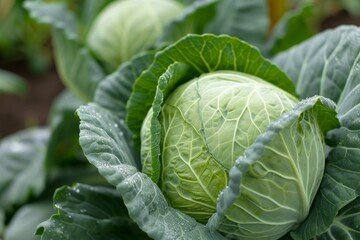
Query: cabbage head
{"points": [[207, 124], [127, 27]]}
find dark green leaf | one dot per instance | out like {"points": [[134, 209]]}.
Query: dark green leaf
{"points": [[339, 186], [75, 171], [89, 212], [346, 225], [64, 141]]}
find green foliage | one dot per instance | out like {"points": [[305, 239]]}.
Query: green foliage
{"points": [[79, 213], [199, 138]]}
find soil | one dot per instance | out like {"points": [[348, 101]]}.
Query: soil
{"points": [[31, 109], [341, 18]]}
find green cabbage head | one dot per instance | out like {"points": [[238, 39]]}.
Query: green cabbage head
{"points": [[127, 27], [207, 124]]}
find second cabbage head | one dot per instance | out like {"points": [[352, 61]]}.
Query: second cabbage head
{"points": [[127, 27], [206, 124]]}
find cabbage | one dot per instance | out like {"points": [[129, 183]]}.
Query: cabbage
{"points": [[227, 150], [127, 27], [207, 124]]}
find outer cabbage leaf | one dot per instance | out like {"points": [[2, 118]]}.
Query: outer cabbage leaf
{"points": [[100, 131], [89, 212], [107, 145], [336, 55], [55, 14], [323, 64], [346, 223], [340, 184]]}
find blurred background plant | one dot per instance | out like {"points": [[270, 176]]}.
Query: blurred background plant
{"points": [[22, 38]]}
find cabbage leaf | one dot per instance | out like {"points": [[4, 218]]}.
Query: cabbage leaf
{"points": [[328, 65]]}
